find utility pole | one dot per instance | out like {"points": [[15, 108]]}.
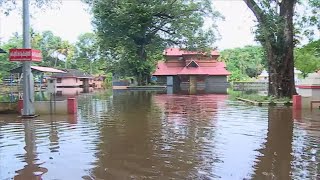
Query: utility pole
{"points": [[28, 83]]}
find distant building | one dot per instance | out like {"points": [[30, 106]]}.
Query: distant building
{"points": [[98, 81], [190, 69], [40, 74], [264, 76], [72, 78]]}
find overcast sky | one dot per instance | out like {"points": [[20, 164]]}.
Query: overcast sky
{"points": [[71, 20]]}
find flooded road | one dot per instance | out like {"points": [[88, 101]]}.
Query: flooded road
{"points": [[143, 135]]}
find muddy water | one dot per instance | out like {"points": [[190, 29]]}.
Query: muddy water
{"points": [[139, 135]]}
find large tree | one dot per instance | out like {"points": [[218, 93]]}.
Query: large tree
{"points": [[132, 28], [276, 33]]}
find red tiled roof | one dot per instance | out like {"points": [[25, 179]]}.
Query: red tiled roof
{"points": [[217, 70], [179, 52], [191, 71]]}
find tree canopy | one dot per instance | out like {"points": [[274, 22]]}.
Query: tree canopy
{"points": [[9, 5], [307, 58], [87, 55], [244, 63], [133, 30]]}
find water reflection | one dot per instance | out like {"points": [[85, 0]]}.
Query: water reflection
{"points": [[48, 148], [32, 170], [275, 159], [306, 145], [145, 135], [189, 131], [61, 94], [53, 136], [124, 148]]}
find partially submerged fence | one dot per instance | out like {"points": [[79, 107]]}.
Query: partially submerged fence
{"points": [[245, 86]]}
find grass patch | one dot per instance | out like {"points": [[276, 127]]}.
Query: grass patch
{"points": [[256, 97]]}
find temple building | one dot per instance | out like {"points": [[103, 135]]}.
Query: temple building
{"points": [[192, 71]]}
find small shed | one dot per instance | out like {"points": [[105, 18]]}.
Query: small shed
{"points": [[73, 78]]}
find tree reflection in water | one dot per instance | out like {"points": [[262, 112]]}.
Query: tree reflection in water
{"points": [[275, 159], [147, 135]]}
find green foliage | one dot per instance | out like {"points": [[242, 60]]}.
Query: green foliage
{"points": [[307, 58], [132, 32], [244, 63], [308, 19], [84, 55], [87, 55], [5, 64], [8, 6], [108, 81]]}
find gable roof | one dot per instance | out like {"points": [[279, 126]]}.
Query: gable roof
{"points": [[192, 63]]}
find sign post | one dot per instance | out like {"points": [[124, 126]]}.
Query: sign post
{"points": [[26, 56], [28, 87]]}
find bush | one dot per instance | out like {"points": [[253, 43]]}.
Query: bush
{"points": [[107, 83]]}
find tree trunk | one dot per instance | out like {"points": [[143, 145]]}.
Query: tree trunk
{"points": [[139, 78], [277, 39], [280, 55], [141, 52], [281, 74]]}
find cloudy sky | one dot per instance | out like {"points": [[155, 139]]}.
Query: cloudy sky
{"points": [[71, 20]]}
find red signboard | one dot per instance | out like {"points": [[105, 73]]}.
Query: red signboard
{"points": [[25, 55]]}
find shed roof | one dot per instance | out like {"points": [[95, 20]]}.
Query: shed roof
{"points": [[38, 69]]}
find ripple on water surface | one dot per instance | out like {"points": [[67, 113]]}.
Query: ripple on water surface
{"points": [[141, 135]]}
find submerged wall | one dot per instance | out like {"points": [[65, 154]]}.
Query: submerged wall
{"points": [[45, 107], [217, 84], [7, 107], [309, 93]]}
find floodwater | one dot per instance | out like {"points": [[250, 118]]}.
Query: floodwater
{"points": [[144, 135]]}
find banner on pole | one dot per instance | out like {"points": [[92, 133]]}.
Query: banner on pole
{"points": [[33, 55]]}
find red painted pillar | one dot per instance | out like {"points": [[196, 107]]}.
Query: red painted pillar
{"points": [[296, 102], [72, 105], [297, 115], [72, 118], [20, 106]]}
